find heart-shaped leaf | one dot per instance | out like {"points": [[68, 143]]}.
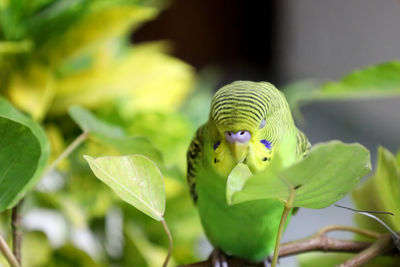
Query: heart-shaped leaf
{"points": [[24, 152], [328, 173], [135, 179]]}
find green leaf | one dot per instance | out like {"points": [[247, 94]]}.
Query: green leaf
{"points": [[327, 174], [134, 145], [90, 123], [375, 81], [24, 152], [384, 185], [135, 179]]}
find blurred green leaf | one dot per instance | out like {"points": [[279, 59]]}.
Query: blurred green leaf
{"points": [[36, 250], [23, 155], [335, 259], [153, 254], [378, 81], [327, 174], [134, 145], [90, 123], [69, 255], [384, 186], [169, 132], [375, 81], [135, 179]]}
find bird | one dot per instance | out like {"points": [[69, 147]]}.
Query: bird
{"points": [[247, 123]]}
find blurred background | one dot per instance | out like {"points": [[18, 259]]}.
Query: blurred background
{"points": [[151, 68]]}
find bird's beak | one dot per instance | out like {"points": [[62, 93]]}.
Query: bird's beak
{"points": [[239, 150]]}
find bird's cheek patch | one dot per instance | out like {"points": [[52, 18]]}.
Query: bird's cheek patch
{"points": [[266, 143]]}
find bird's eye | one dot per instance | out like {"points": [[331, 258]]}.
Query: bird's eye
{"points": [[262, 124]]}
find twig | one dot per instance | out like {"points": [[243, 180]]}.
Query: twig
{"points": [[382, 246], [170, 243], [82, 137], [16, 230], [7, 253], [321, 242]]}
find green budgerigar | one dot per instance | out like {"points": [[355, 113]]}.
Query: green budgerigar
{"points": [[247, 123]]}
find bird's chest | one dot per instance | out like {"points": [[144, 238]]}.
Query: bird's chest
{"points": [[246, 230]]}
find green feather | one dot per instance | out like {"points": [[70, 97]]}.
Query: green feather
{"points": [[246, 230]]}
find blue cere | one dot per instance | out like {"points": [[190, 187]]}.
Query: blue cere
{"points": [[216, 145], [266, 143]]}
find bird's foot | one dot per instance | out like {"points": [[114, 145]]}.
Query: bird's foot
{"points": [[265, 262], [218, 258]]}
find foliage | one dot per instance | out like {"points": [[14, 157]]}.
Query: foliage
{"points": [[384, 185], [327, 174], [135, 179], [55, 54], [23, 155], [377, 81], [70, 67]]}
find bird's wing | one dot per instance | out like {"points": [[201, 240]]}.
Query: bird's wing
{"points": [[303, 145], [193, 161]]}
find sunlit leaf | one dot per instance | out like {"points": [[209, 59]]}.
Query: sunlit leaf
{"points": [[378, 81], [32, 90], [375, 81], [327, 174], [135, 179], [140, 79], [381, 192], [90, 123], [24, 152], [89, 31]]}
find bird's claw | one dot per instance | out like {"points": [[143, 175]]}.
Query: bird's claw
{"points": [[218, 259]]}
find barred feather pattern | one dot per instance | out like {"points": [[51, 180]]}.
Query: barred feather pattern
{"points": [[193, 156], [244, 104]]}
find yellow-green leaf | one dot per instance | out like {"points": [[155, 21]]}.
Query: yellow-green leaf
{"points": [[135, 179], [327, 174], [384, 186], [90, 123]]}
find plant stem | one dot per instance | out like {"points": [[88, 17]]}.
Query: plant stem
{"points": [[170, 242], [383, 245], [285, 214], [16, 230], [82, 137], [7, 253]]}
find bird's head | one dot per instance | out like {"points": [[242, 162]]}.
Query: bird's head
{"points": [[249, 118]]}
